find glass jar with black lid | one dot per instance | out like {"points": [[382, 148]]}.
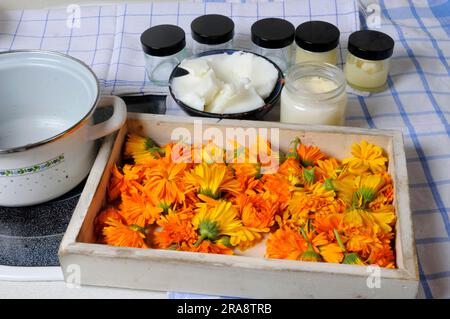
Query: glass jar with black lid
{"points": [[367, 62], [317, 41], [164, 47], [272, 38], [212, 32]]}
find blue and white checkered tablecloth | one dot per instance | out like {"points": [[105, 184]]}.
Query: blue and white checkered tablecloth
{"points": [[417, 101]]}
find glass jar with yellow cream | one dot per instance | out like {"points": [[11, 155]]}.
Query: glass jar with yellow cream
{"points": [[367, 63], [316, 41], [314, 93]]}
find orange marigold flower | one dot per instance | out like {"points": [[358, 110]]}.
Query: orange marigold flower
{"points": [[257, 214], [176, 228], [139, 209], [285, 243], [118, 234], [100, 220], [307, 205], [278, 186], [383, 256], [292, 170], [309, 155], [247, 170], [165, 182], [126, 182]]}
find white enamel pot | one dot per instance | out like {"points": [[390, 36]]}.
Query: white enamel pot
{"points": [[47, 135]]}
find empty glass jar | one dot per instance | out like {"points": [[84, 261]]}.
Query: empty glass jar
{"points": [[212, 32], [164, 47], [272, 38]]}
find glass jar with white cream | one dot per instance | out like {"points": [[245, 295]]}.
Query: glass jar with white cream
{"points": [[212, 32], [317, 41], [367, 63], [314, 93]]}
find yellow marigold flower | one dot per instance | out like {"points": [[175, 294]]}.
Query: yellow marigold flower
{"points": [[329, 168], [384, 217], [367, 187], [142, 149], [139, 209], [213, 222], [212, 179], [331, 253], [366, 157], [165, 182], [118, 234], [176, 228], [285, 243]]}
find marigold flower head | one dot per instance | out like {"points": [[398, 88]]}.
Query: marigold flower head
{"points": [[213, 222], [285, 243], [176, 229], [118, 234], [165, 182], [212, 179], [102, 218], [309, 155], [142, 149], [139, 209], [366, 157]]}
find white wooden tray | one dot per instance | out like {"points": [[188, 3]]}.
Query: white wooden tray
{"points": [[86, 263]]}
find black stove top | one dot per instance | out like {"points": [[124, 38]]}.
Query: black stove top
{"points": [[30, 236]]}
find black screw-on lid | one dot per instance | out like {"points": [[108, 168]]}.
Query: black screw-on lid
{"points": [[370, 45], [317, 36], [212, 29], [273, 33], [163, 40]]}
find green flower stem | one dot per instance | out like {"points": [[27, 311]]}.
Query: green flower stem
{"points": [[339, 240]]}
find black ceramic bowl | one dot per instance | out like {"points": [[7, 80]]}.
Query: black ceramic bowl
{"points": [[258, 113]]}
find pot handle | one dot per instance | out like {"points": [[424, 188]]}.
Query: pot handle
{"points": [[115, 122]]}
